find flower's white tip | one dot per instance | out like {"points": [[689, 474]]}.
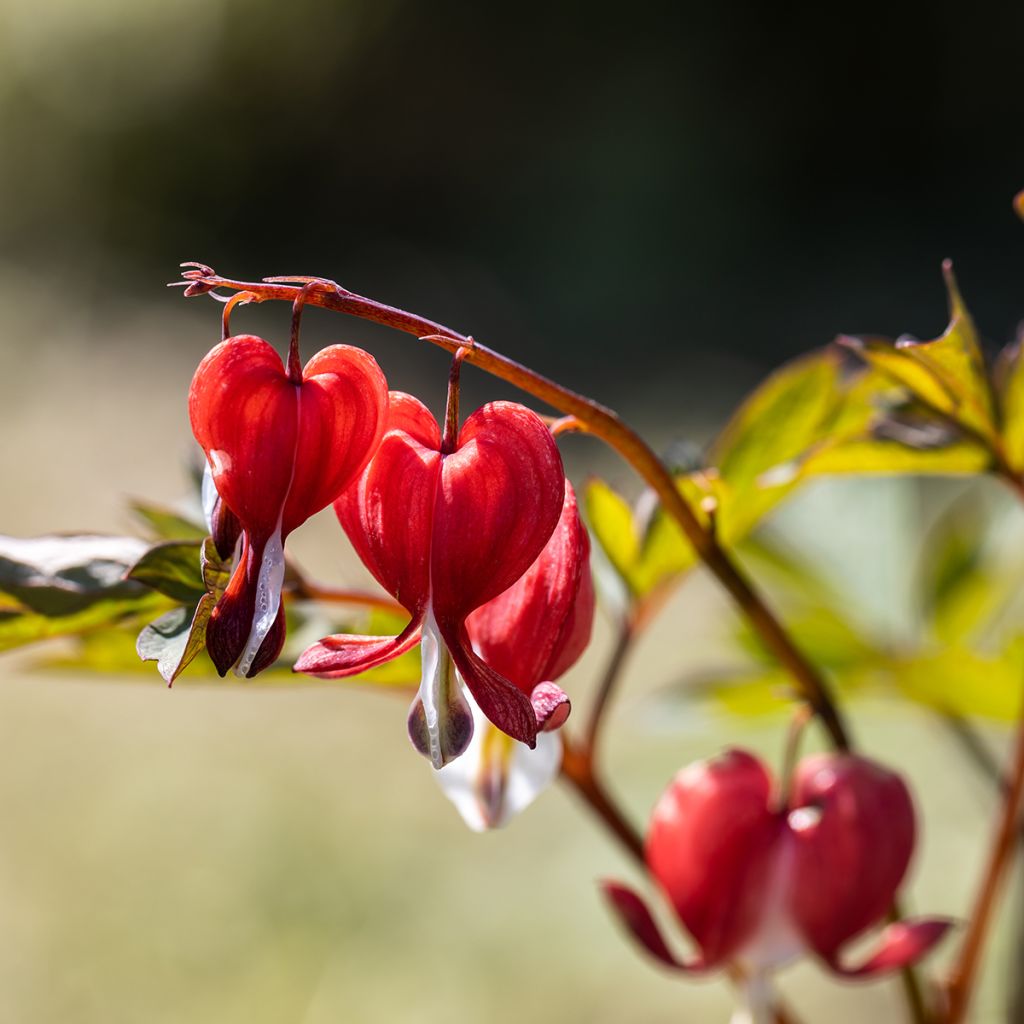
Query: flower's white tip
{"points": [[268, 601], [498, 777], [209, 495]]}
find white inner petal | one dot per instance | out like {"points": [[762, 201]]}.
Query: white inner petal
{"points": [[458, 778], [777, 939], [432, 651], [530, 773], [209, 495], [268, 599], [526, 773], [755, 1001]]}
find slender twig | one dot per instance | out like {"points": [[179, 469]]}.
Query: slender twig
{"points": [[577, 770], [305, 590], [965, 969], [597, 420], [609, 679]]}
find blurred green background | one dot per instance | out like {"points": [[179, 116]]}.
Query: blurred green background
{"points": [[655, 204]]}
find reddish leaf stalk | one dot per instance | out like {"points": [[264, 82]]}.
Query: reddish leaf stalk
{"points": [[965, 970], [597, 420]]}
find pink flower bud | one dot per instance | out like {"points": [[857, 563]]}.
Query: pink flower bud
{"points": [[757, 885]]}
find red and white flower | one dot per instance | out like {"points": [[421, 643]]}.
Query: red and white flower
{"points": [[279, 450], [445, 527]]}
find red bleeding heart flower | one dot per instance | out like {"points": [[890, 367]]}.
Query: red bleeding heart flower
{"points": [[757, 885], [446, 525], [280, 447], [532, 634]]}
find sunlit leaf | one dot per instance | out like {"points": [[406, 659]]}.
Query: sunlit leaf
{"points": [[964, 682], [1009, 384], [611, 522], [25, 627], [948, 374], [788, 414]]}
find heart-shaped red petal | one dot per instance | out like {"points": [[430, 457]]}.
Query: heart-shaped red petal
{"points": [[388, 513], [710, 846], [853, 827], [280, 452], [499, 498]]}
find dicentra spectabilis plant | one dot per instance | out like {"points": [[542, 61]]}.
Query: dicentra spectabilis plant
{"points": [[486, 600]]}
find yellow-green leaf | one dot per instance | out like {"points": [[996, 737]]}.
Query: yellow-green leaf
{"points": [[965, 682], [611, 522], [948, 373], [1009, 380]]}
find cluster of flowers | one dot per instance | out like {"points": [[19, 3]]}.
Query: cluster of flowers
{"points": [[474, 531]]}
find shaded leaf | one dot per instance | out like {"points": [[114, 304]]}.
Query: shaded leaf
{"points": [[165, 524], [64, 575], [172, 568], [173, 640]]}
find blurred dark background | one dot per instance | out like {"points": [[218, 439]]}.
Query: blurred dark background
{"points": [[692, 181]]}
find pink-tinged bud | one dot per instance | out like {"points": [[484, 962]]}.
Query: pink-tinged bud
{"points": [[445, 532], [756, 885], [278, 452]]}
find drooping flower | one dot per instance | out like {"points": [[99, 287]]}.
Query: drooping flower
{"points": [[280, 447], [445, 526], [757, 884], [532, 634]]}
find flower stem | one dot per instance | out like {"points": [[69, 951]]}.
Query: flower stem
{"points": [[597, 420], [609, 679], [964, 973]]}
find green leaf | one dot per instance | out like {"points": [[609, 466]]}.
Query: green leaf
{"points": [[65, 575], [964, 682], [1009, 385], [166, 524], [948, 373], [788, 414], [645, 546], [611, 522], [24, 627], [173, 568], [176, 638]]}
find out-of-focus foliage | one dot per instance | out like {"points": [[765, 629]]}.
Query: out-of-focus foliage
{"points": [[99, 592], [57, 586], [816, 416], [965, 657]]}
